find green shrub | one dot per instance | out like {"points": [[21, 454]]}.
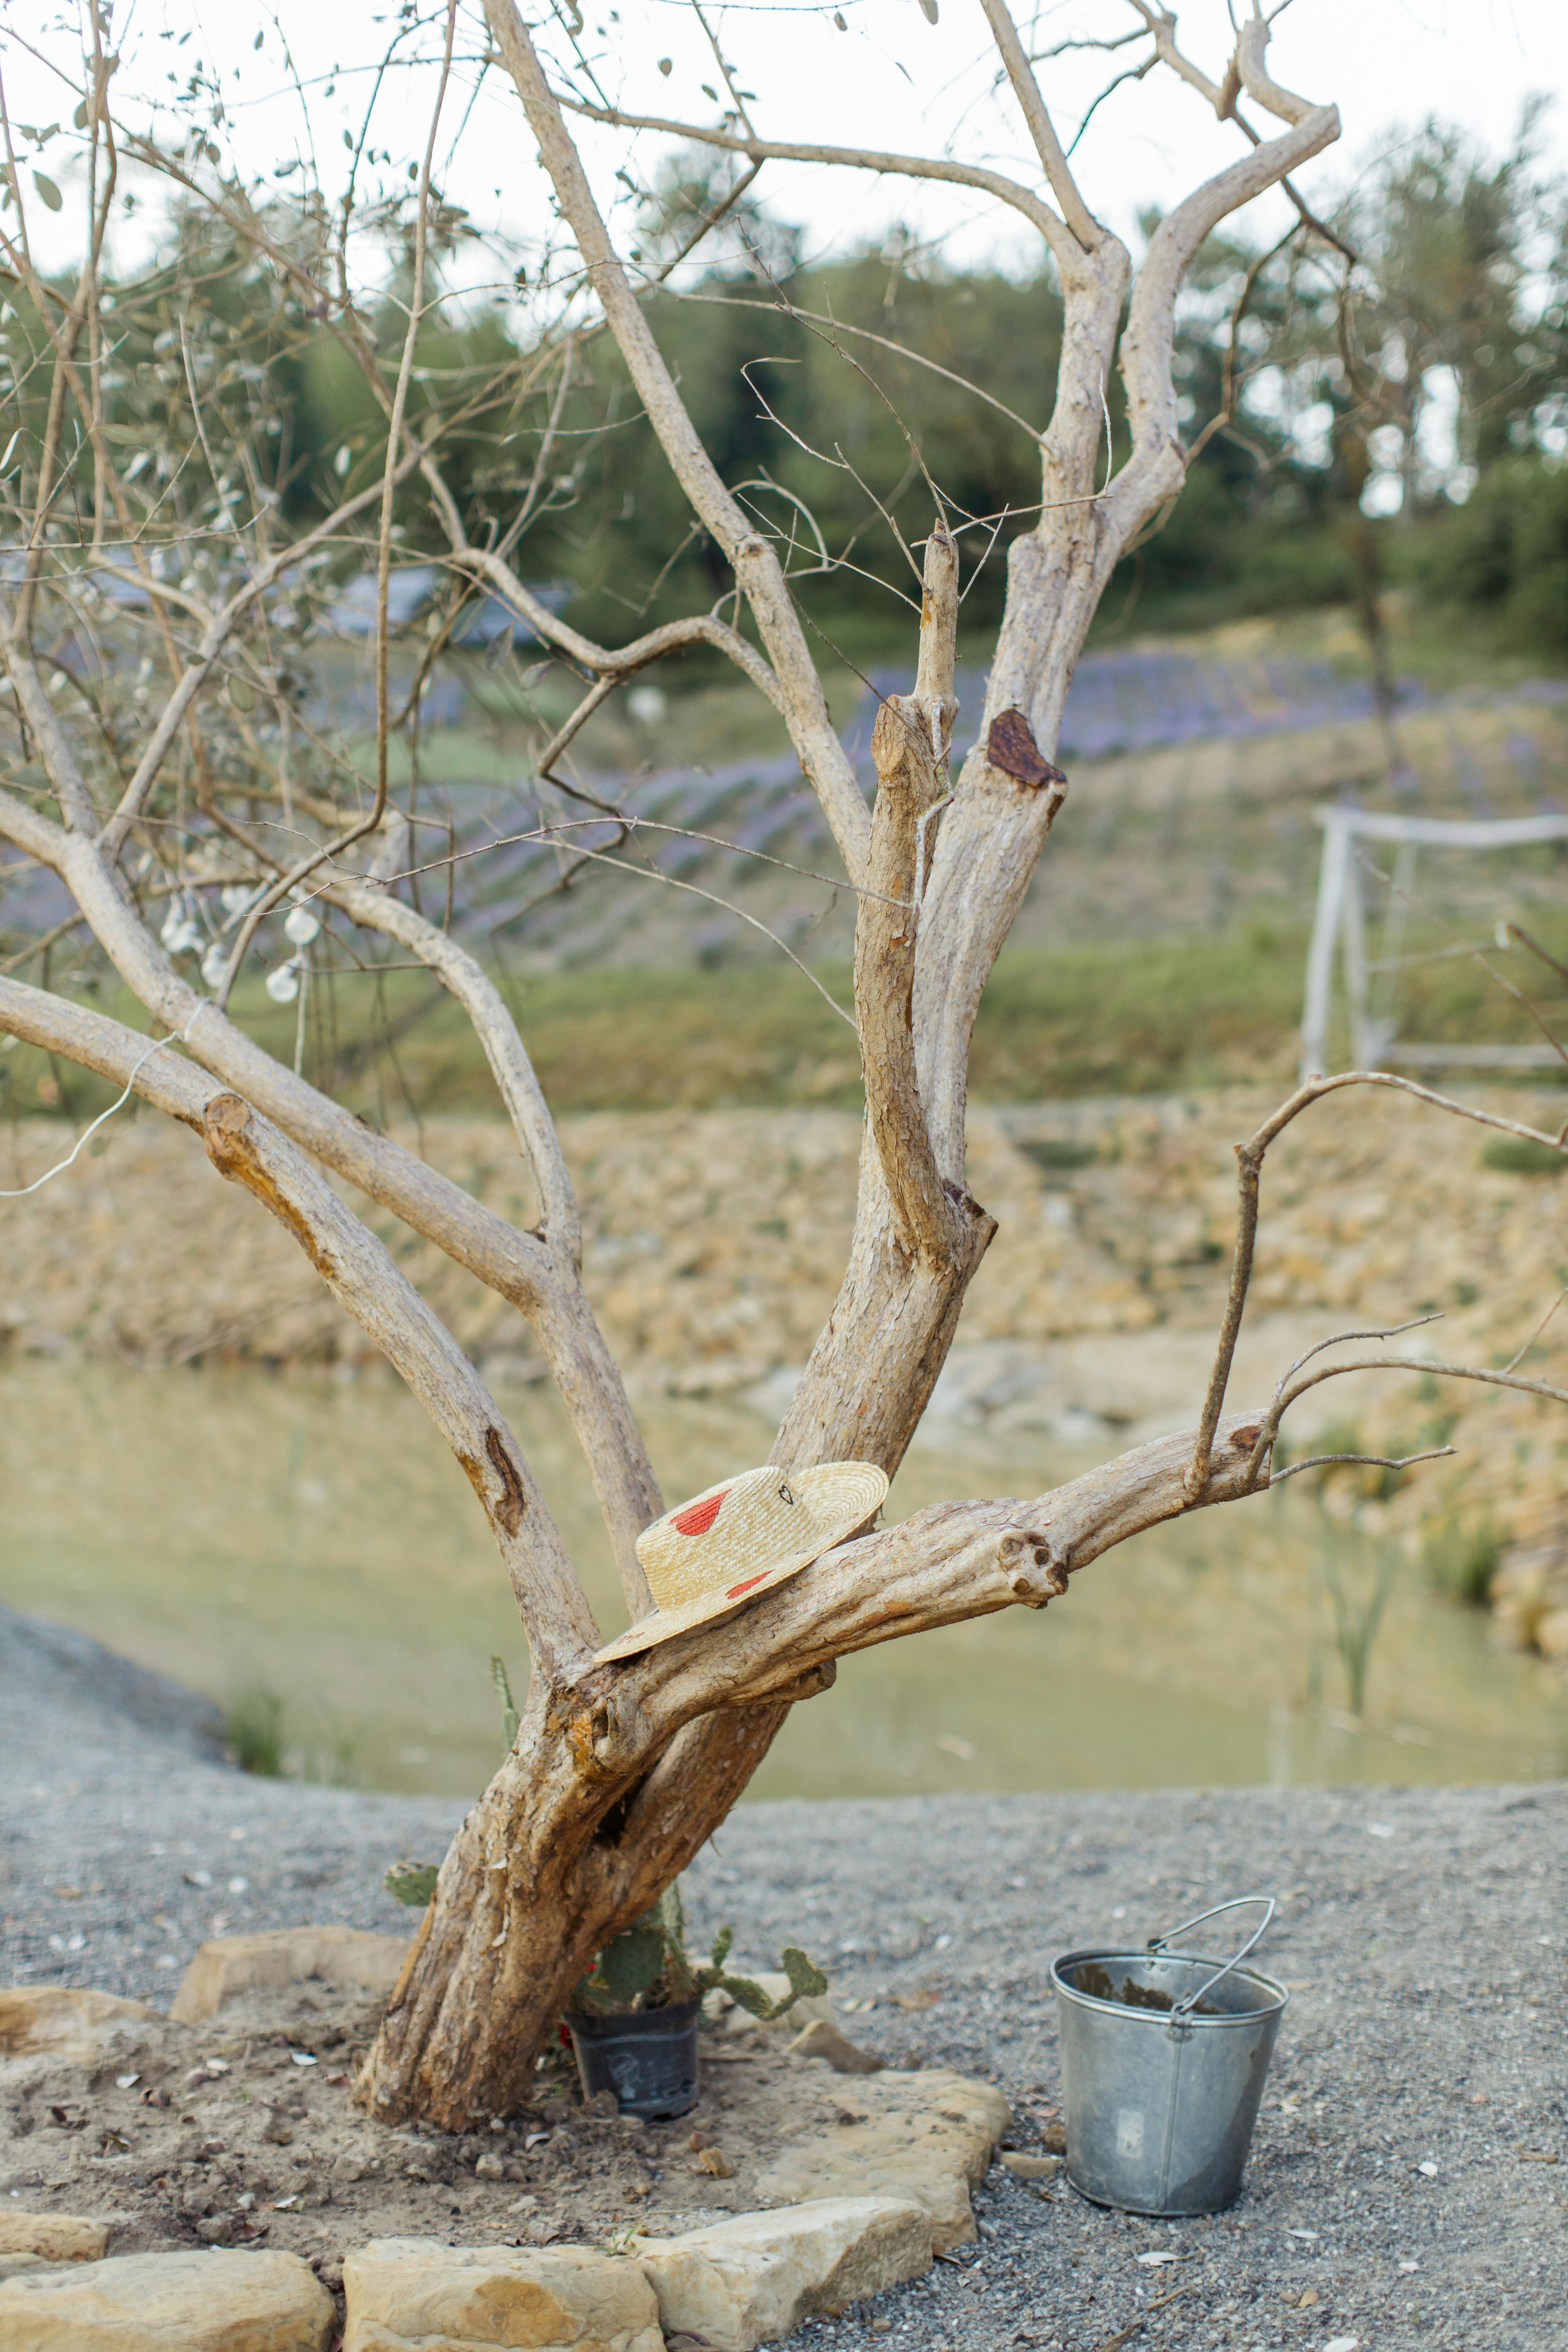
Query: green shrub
{"points": [[1504, 554], [254, 1732], [1058, 1152], [1460, 1559], [1515, 1155]]}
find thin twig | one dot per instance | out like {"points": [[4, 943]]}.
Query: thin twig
{"points": [[1249, 1162], [1518, 1359], [1372, 1461]]}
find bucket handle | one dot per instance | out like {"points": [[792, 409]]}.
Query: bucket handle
{"points": [[1236, 1903]]}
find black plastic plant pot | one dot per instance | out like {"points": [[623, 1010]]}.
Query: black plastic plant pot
{"points": [[647, 2057]]}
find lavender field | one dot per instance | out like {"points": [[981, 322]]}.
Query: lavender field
{"points": [[1194, 774]]}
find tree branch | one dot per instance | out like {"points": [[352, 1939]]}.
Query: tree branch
{"points": [[858, 159], [366, 1281], [1249, 1160], [1042, 130], [568, 1332], [908, 746], [539, 1273], [755, 564], [1155, 471], [945, 1564]]}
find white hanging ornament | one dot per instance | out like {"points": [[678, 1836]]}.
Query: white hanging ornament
{"points": [[283, 985], [300, 926], [236, 895], [181, 933], [214, 963]]}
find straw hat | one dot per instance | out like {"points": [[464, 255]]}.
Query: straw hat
{"points": [[736, 1542]]}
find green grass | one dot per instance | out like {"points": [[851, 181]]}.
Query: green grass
{"points": [[1515, 1155], [253, 1730], [1172, 1016]]}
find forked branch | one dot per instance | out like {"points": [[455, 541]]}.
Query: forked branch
{"points": [[754, 561], [366, 1281], [1250, 1162]]}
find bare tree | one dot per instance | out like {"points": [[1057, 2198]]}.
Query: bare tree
{"points": [[138, 799]]}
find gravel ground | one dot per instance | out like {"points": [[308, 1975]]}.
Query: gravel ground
{"points": [[1405, 2187]]}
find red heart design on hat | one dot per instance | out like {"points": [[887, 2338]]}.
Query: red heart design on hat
{"points": [[698, 1517], [736, 1589]]}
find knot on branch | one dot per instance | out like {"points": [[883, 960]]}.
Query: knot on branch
{"points": [[810, 1685], [607, 1736], [1034, 1570], [969, 1208]]}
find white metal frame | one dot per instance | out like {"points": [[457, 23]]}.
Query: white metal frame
{"points": [[1341, 923]]}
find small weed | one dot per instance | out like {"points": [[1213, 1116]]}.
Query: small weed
{"points": [[254, 1732], [1516, 1155], [1058, 1152], [1356, 1603], [510, 1718], [1460, 1559], [331, 1764]]}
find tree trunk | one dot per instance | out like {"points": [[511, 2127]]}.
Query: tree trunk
{"points": [[549, 1864]]}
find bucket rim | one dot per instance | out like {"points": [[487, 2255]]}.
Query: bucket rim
{"points": [[1279, 1995]]}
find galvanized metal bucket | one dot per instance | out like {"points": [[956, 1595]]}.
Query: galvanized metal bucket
{"points": [[1164, 2061]]}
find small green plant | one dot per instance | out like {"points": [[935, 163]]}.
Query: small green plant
{"points": [[1460, 1559], [1357, 1607], [1056, 1153], [647, 1967], [412, 1882], [1516, 1155], [253, 1731], [510, 1718]]}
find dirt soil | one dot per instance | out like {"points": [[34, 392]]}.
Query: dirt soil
{"points": [[242, 2131]]}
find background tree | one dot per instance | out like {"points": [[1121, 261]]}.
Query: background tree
{"points": [[181, 785]]}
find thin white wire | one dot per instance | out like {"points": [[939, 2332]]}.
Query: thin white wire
{"points": [[88, 1132]]}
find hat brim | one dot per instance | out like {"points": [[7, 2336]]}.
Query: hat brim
{"points": [[666, 1624]]}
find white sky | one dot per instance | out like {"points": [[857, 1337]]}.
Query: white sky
{"points": [[891, 80]]}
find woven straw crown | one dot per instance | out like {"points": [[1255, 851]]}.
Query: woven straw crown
{"points": [[735, 1541]]}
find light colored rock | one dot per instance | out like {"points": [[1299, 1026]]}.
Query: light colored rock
{"points": [[67, 2022], [17, 2265], [58, 2237], [231, 1965], [1032, 2168], [927, 2136], [169, 2303], [821, 2040], [745, 2282], [419, 2295]]}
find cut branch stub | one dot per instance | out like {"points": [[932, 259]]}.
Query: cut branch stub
{"points": [[1034, 1573], [939, 641], [1011, 746], [909, 782]]}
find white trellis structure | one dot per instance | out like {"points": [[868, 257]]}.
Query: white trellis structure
{"points": [[1340, 925]]}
